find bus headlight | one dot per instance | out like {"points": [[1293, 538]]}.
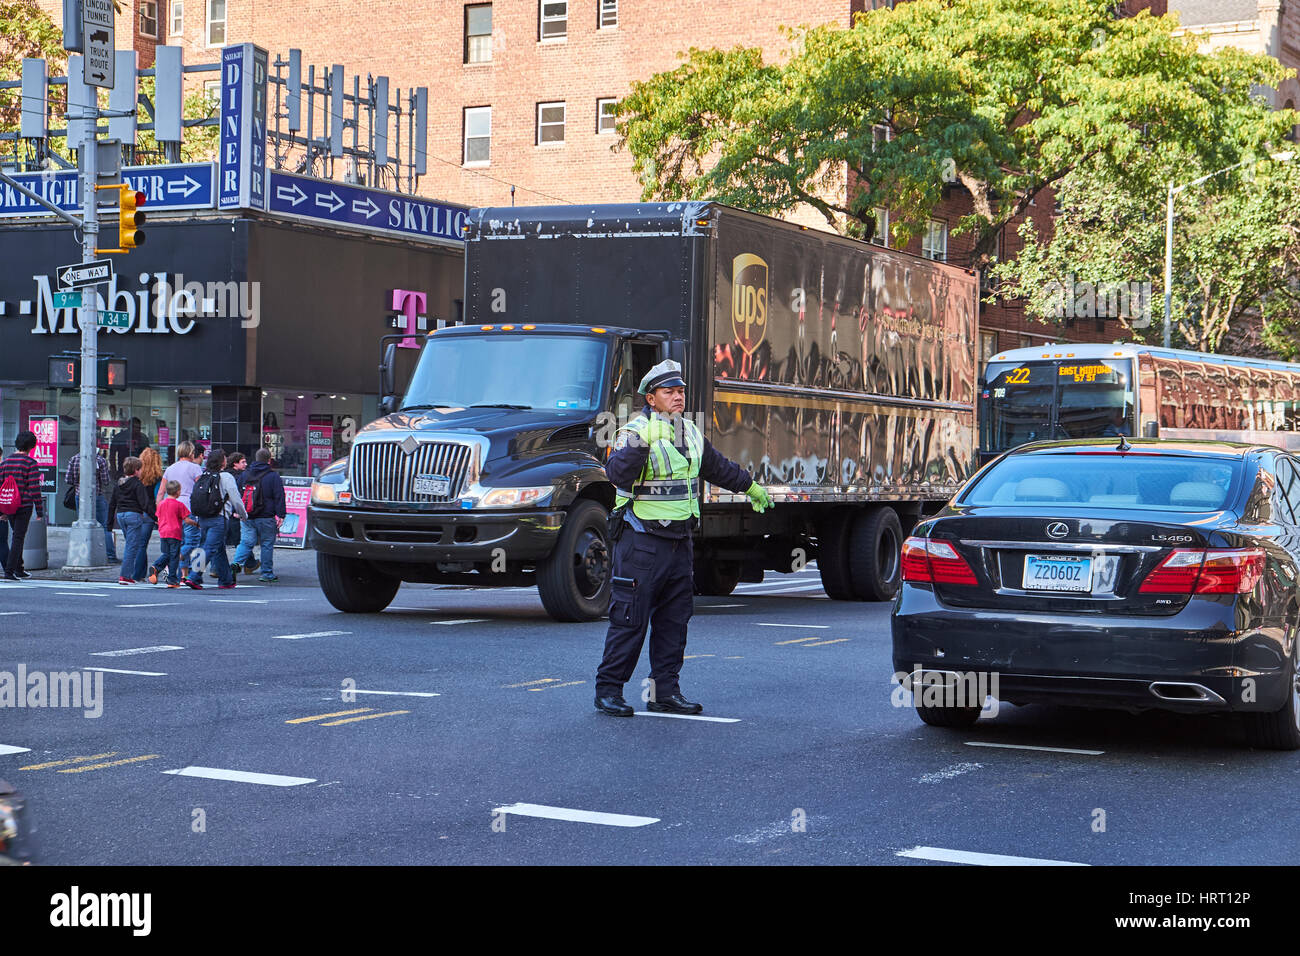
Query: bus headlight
{"points": [[330, 487], [515, 497]]}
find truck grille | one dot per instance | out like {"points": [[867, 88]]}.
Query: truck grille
{"points": [[381, 471]]}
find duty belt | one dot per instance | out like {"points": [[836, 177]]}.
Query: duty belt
{"points": [[667, 489]]}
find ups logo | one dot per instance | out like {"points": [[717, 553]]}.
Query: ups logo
{"points": [[749, 300]]}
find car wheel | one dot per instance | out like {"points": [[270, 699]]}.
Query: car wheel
{"points": [[1279, 730], [948, 716], [354, 586]]}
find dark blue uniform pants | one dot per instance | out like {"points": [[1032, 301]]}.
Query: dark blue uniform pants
{"points": [[662, 597]]}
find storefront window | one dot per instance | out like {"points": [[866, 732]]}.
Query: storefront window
{"points": [[305, 431]]}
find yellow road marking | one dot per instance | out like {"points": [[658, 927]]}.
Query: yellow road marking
{"points": [[530, 683], [388, 713], [338, 713], [553, 686], [60, 763], [797, 640], [838, 640], [111, 763], [691, 656]]}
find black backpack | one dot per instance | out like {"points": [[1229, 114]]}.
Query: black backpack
{"points": [[206, 499]]}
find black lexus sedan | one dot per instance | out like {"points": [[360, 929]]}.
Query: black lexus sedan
{"points": [[1110, 573]]}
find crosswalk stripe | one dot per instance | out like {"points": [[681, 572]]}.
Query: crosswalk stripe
{"points": [[241, 776], [942, 855], [576, 816]]}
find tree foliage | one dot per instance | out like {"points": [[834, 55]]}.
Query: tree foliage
{"points": [[26, 31], [1004, 97]]}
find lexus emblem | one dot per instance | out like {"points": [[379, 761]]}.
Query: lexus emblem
{"points": [[1058, 529]]}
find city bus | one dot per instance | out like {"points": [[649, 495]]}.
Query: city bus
{"points": [[1086, 391]]}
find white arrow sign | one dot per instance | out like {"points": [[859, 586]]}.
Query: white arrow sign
{"points": [[85, 273], [359, 206], [338, 203], [287, 193], [180, 187]]}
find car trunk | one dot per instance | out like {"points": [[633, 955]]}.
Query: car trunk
{"points": [[1084, 564]]}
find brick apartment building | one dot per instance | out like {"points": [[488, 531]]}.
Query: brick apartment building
{"points": [[519, 88]]}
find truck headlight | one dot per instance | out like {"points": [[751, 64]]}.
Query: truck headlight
{"points": [[331, 485], [515, 497]]}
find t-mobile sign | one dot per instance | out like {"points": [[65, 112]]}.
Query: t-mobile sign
{"points": [[241, 165]]}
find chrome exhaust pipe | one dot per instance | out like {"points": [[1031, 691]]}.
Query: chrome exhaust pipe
{"points": [[1184, 693]]}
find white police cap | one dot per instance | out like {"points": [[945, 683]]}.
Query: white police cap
{"points": [[664, 375]]}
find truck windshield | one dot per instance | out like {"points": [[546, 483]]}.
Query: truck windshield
{"points": [[503, 370], [1036, 401]]}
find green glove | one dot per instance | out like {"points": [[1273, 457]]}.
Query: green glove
{"points": [[659, 430], [759, 499]]}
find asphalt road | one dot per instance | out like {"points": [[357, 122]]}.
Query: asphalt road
{"points": [[487, 704]]}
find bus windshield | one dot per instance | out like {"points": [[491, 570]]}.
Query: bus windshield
{"points": [[1067, 398]]}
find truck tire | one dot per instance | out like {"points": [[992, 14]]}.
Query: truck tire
{"points": [[353, 586], [875, 554], [833, 554], [574, 579], [716, 578]]}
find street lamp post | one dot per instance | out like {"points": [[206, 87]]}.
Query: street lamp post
{"points": [[1283, 157]]}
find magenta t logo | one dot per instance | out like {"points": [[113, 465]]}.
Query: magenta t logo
{"points": [[414, 306]]}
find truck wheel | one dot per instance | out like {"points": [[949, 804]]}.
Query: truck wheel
{"points": [[353, 586], [1279, 730], [875, 554], [833, 554], [716, 578], [574, 579]]}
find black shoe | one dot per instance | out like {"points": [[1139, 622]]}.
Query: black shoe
{"points": [[674, 704], [7, 576], [23, 574], [615, 706]]}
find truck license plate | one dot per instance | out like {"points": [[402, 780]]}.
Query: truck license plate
{"points": [[431, 485], [1057, 573]]}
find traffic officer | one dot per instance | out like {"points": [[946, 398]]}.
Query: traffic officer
{"points": [[657, 461]]}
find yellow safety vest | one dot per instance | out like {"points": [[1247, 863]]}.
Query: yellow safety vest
{"points": [[668, 489]]}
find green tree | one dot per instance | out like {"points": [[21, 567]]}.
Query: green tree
{"points": [[27, 31], [1004, 97]]}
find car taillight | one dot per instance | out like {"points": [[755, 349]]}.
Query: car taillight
{"points": [[1185, 571], [934, 562]]}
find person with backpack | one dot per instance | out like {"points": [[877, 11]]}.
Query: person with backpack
{"points": [[20, 497], [214, 499], [264, 502], [132, 507]]}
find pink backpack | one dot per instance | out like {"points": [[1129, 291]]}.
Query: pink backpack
{"points": [[11, 498]]}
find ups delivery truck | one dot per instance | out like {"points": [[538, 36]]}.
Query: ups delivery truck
{"points": [[841, 374]]}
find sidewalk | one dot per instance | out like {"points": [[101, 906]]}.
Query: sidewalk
{"points": [[293, 566]]}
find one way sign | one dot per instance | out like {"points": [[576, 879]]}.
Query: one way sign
{"points": [[85, 273]]}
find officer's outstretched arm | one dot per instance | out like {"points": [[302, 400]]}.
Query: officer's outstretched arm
{"points": [[722, 471]]}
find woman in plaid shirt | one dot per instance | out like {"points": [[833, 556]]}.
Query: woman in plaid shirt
{"points": [[27, 475]]}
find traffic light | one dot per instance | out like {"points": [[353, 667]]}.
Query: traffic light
{"points": [[129, 218]]}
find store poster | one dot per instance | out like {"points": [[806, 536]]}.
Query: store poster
{"points": [[46, 452], [297, 496], [320, 448]]}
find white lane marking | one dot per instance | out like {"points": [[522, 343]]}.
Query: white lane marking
{"points": [[241, 776], [785, 590], [576, 816], [299, 637], [722, 605], [463, 620], [978, 859], [136, 650], [163, 604], [79, 594], [763, 585], [12, 613], [233, 601], [68, 585], [398, 693], [110, 670], [1055, 750], [820, 627], [11, 749], [713, 720], [947, 773], [426, 610]]}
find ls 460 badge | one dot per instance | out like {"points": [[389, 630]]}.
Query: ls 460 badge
{"points": [[1172, 538]]}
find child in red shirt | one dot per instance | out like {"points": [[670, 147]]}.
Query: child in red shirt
{"points": [[172, 513]]}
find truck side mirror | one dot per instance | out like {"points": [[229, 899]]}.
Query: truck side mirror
{"points": [[387, 404], [386, 374], [1151, 430]]}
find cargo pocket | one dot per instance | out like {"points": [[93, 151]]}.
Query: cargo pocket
{"points": [[643, 558], [622, 605]]}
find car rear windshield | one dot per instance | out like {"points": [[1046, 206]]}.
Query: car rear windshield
{"points": [[1107, 480]]}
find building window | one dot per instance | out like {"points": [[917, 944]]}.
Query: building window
{"points": [[216, 22], [478, 33], [608, 14], [178, 18], [555, 20], [212, 93], [148, 18], [550, 123], [988, 346], [880, 235], [605, 115], [478, 135], [934, 244]]}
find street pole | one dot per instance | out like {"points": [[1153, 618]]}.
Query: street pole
{"points": [[1169, 266], [86, 539]]}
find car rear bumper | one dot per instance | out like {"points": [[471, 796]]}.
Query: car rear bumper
{"points": [[1192, 661], [427, 537]]}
